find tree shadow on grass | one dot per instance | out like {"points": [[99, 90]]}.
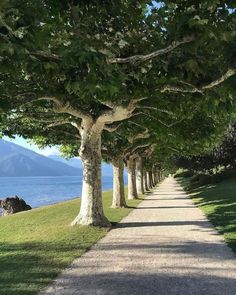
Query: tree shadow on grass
{"points": [[27, 267]]}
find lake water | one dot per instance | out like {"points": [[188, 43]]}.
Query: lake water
{"points": [[41, 191]]}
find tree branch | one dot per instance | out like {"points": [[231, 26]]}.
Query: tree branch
{"points": [[139, 125], [142, 58], [132, 151], [194, 89], [4, 37], [118, 113], [144, 135], [154, 108], [61, 107], [47, 55], [135, 101], [109, 104], [172, 124], [63, 122], [111, 129], [220, 80], [10, 30], [170, 88]]}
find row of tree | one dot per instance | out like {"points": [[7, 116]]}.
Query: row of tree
{"points": [[129, 81]]}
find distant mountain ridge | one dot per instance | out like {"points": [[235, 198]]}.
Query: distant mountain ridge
{"points": [[16, 161], [76, 162], [107, 169]]}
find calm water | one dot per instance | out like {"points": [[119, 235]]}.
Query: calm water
{"points": [[40, 191]]}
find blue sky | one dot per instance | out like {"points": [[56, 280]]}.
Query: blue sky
{"points": [[21, 141]]}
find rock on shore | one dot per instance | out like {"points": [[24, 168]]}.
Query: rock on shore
{"points": [[12, 205]]}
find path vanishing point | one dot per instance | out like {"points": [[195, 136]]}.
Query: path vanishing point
{"points": [[166, 246]]}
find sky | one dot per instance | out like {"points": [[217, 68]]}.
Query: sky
{"points": [[26, 144]]}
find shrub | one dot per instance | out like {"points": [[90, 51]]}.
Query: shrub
{"points": [[183, 173], [201, 179]]}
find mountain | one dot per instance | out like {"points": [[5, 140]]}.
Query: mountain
{"points": [[76, 162], [16, 161]]}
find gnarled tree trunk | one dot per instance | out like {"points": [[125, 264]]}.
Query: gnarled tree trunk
{"points": [[132, 190], [139, 176], [91, 210], [118, 200]]}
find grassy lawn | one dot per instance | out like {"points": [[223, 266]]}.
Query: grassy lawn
{"points": [[36, 245], [218, 202]]}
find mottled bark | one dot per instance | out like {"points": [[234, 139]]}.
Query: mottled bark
{"points": [[91, 210], [118, 200], [132, 190], [139, 176]]}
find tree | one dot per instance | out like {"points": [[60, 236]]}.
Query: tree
{"points": [[120, 147], [113, 151], [75, 68]]}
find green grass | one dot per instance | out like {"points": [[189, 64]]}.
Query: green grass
{"points": [[218, 202], [36, 245]]}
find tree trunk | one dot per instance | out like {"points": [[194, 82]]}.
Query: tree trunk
{"points": [[91, 209], [145, 180], [150, 184], [118, 200], [132, 190], [148, 180], [153, 182], [160, 176], [139, 176], [154, 176]]}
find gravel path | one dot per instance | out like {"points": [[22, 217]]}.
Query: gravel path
{"points": [[166, 246]]}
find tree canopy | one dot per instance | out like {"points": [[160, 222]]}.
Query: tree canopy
{"points": [[71, 69]]}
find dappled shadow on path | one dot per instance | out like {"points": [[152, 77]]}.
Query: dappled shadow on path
{"points": [[208, 250], [157, 283], [200, 223], [166, 207], [169, 193], [165, 199]]}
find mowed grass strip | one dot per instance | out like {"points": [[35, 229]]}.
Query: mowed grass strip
{"points": [[218, 202], [36, 245]]}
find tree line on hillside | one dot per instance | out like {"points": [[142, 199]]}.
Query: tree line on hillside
{"points": [[131, 82]]}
